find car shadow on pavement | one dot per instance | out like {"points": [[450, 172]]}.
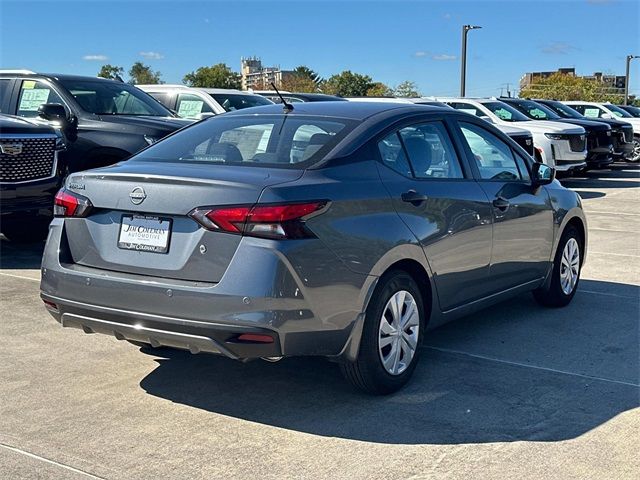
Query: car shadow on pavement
{"points": [[23, 256], [513, 372]]}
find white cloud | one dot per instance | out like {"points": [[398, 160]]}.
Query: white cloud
{"points": [[447, 16], [557, 48], [95, 58], [152, 55], [444, 57], [206, 20], [420, 54]]}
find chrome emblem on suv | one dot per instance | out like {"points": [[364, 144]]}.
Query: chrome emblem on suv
{"points": [[11, 148], [137, 195]]}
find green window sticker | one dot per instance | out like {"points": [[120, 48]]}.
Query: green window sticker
{"points": [[592, 112], [32, 98], [190, 108]]}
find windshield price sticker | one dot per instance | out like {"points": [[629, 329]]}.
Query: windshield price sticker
{"points": [[190, 108], [33, 98]]}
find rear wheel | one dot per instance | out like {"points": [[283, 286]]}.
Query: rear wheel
{"points": [[635, 156], [28, 230], [392, 333], [566, 271]]}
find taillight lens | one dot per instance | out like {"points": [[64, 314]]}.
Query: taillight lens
{"points": [[268, 221], [70, 204]]}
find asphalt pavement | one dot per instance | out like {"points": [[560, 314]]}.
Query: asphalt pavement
{"points": [[515, 391]]}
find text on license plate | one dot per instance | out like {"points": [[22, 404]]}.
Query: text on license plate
{"points": [[144, 233]]}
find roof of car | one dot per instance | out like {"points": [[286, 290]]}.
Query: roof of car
{"points": [[55, 76], [165, 86], [350, 110]]}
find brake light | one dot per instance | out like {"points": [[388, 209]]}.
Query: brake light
{"points": [[268, 221], [70, 204]]}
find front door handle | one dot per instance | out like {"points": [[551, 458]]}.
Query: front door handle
{"points": [[414, 197], [501, 204]]}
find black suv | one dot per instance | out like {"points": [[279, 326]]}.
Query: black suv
{"points": [[104, 121], [599, 140], [30, 176], [621, 132]]}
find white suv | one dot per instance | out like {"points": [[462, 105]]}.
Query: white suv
{"points": [[563, 146], [609, 110], [197, 103]]}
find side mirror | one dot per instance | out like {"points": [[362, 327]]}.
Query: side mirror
{"points": [[608, 116], [203, 115], [542, 174], [487, 119]]}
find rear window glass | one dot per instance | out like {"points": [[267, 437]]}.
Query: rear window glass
{"points": [[237, 101], [269, 140]]}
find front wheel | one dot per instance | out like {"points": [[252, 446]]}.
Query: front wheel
{"points": [[635, 156], [392, 333], [566, 271]]}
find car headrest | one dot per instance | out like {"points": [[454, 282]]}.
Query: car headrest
{"points": [[226, 152], [420, 153]]}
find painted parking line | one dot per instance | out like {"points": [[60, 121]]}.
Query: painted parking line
{"points": [[50, 462], [19, 276], [526, 365]]}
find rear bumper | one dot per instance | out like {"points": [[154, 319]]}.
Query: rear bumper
{"points": [[269, 295], [163, 331], [568, 166]]}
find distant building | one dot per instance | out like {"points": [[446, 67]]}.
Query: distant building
{"points": [[255, 76], [614, 82]]}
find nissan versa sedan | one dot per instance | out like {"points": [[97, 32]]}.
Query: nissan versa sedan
{"points": [[333, 229]]}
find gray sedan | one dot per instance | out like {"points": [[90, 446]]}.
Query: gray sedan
{"points": [[335, 229]]}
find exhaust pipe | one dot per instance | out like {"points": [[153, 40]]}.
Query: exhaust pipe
{"points": [[271, 359]]}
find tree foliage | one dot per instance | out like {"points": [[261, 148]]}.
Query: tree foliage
{"points": [[561, 86], [305, 72], [141, 74], [406, 89], [302, 79], [348, 84], [111, 72], [216, 76], [379, 89]]}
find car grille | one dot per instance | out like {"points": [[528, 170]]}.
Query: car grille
{"points": [[525, 142], [599, 139], [577, 143], [35, 161], [628, 134]]}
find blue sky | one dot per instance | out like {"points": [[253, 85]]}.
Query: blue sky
{"points": [[391, 41]]}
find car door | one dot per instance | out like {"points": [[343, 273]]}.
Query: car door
{"points": [[522, 214], [435, 195]]}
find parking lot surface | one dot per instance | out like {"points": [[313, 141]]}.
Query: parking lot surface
{"points": [[516, 391]]}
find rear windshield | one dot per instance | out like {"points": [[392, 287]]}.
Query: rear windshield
{"points": [[266, 140], [238, 101], [563, 110], [535, 111]]}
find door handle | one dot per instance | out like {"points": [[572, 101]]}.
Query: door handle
{"points": [[414, 197], [501, 204]]}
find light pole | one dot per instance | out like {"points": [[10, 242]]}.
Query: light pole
{"points": [[463, 69], [626, 78]]}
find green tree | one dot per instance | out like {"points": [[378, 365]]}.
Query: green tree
{"points": [[407, 89], [562, 86], [142, 74], [298, 83], [216, 76], [305, 72], [379, 89], [348, 84], [110, 71]]}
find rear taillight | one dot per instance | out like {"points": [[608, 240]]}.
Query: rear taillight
{"points": [[70, 204], [268, 221]]}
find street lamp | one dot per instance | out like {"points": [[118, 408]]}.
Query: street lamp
{"points": [[626, 79], [463, 69]]}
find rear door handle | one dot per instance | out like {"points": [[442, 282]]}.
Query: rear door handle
{"points": [[501, 204], [413, 197]]}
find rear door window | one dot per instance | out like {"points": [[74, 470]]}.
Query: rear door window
{"points": [[34, 93], [430, 151]]}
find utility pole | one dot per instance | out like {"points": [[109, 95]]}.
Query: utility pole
{"points": [[626, 79], [463, 57]]}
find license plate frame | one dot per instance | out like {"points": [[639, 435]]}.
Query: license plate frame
{"points": [[155, 242]]}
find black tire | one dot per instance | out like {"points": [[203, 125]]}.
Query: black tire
{"points": [[25, 231], [367, 372], [552, 295]]}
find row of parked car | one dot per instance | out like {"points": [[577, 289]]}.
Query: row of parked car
{"points": [[53, 125]]}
